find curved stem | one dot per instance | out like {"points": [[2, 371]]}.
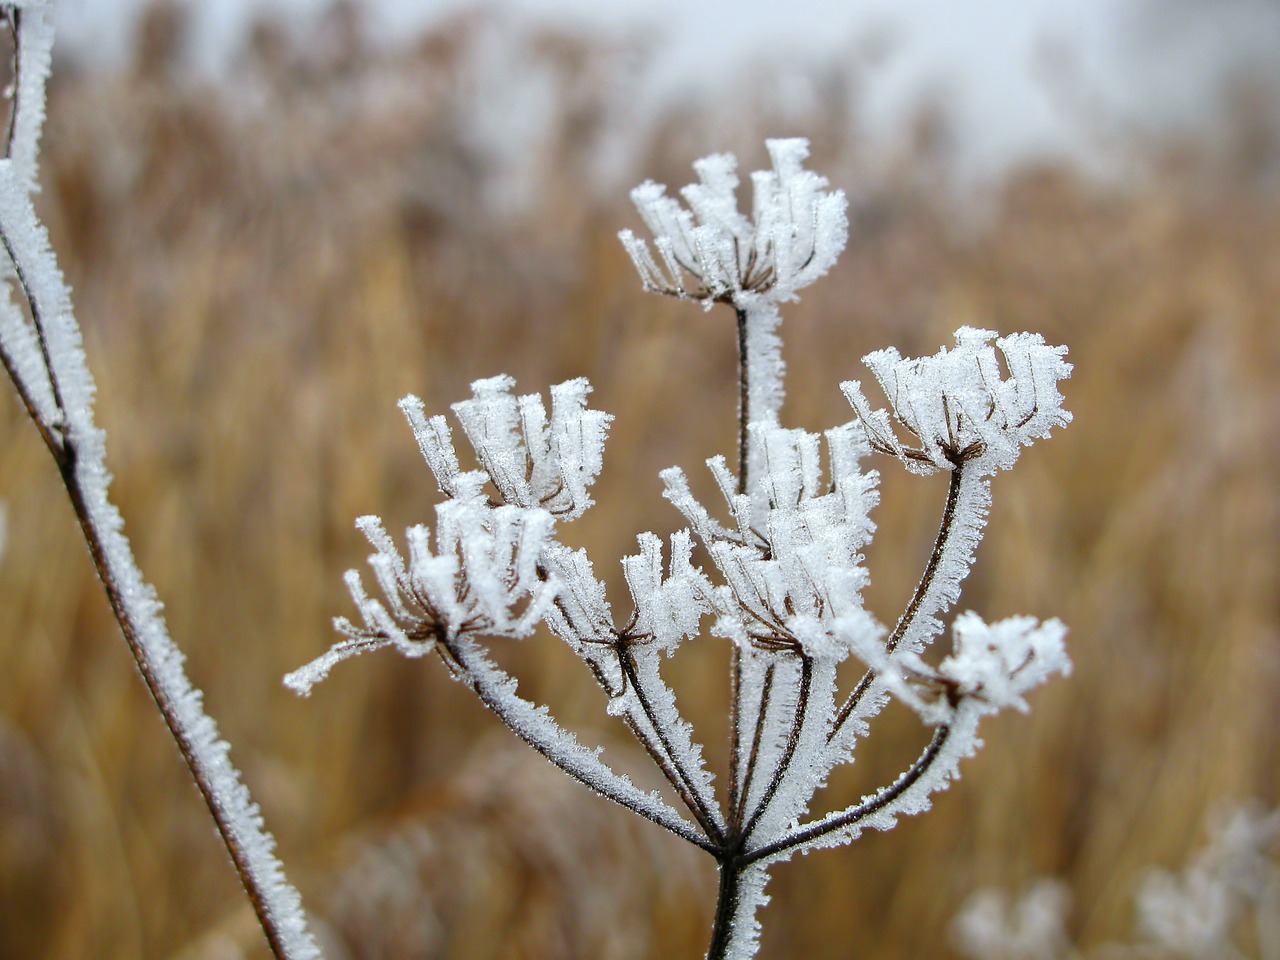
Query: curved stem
{"points": [[533, 725], [917, 602], [665, 755], [867, 808]]}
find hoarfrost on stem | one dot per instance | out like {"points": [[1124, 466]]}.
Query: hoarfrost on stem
{"points": [[777, 570], [712, 253], [44, 357]]}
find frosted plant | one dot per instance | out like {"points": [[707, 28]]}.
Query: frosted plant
{"points": [[1224, 905], [711, 253], [1229, 894], [1031, 928], [41, 350], [777, 570]]}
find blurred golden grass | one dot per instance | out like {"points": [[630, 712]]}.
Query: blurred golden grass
{"points": [[259, 282]]}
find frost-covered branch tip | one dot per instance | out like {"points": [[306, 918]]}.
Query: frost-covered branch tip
{"points": [[993, 666], [533, 461], [709, 251], [491, 571], [483, 577], [959, 406]]}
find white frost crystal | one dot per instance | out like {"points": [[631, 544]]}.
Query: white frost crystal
{"points": [[532, 460], [959, 407], [1000, 662], [710, 251], [482, 577]]}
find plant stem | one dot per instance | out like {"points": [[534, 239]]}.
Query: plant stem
{"points": [[536, 728], [671, 767], [75, 442], [793, 743], [744, 400], [915, 604], [861, 811], [727, 905], [214, 799]]}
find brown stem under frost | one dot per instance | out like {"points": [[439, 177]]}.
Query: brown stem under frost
{"points": [[168, 709], [744, 401], [727, 906], [943, 540]]}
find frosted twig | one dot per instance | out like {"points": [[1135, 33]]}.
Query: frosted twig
{"points": [[939, 586], [46, 361], [536, 727]]}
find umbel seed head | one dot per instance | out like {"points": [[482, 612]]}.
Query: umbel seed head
{"points": [[710, 252]]}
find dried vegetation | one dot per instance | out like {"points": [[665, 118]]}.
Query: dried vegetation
{"points": [[261, 276]]}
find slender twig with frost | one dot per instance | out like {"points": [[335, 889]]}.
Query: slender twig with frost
{"points": [[785, 575], [44, 357]]}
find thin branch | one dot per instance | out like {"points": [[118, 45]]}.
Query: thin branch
{"points": [[495, 688], [850, 817], [12, 20], [672, 768], [164, 700], [749, 778], [38, 323], [79, 457], [52, 439], [744, 401], [914, 605], [793, 743], [735, 725]]}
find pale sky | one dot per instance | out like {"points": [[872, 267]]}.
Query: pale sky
{"points": [[984, 53]]}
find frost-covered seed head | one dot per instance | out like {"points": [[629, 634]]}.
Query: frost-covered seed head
{"points": [[958, 405], [792, 569], [481, 577], [668, 609], [533, 460], [710, 252], [1002, 661]]}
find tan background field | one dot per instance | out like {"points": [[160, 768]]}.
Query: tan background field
{"points": [[261, 275]]}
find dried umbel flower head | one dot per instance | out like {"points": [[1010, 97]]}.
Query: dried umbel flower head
{"points": [[709, 251], [959, 407]]}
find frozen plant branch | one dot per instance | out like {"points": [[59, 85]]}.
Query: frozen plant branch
{"points": [[45, 360], [777, 570]]}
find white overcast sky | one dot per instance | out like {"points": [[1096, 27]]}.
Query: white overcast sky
{"points": [[984, 53]]}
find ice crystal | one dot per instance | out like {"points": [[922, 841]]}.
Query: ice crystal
{"points": [[958, 406], [710, 251]]}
